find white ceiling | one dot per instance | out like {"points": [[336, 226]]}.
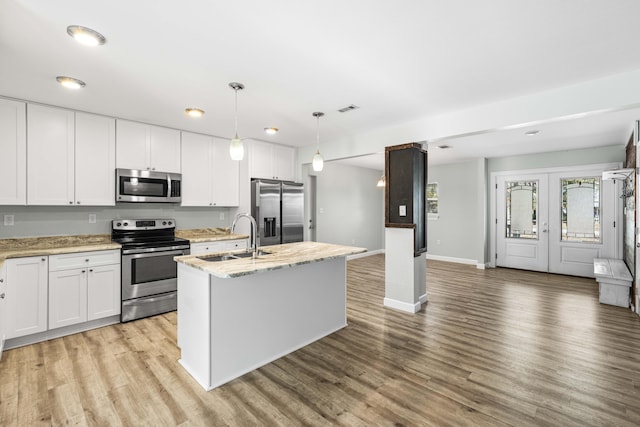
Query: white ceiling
{"points": [[398, 61]]}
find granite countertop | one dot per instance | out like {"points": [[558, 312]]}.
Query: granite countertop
{"points": [[52, 245], [197, 235], [281, 256]]}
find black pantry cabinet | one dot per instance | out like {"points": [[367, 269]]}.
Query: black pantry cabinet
{"points": [[406, 191]]}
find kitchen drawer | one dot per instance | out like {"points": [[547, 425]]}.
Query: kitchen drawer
{"points": [[83, 259], [218, 246]]}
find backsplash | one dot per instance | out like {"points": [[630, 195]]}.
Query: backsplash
{"points": [[30, 221]]}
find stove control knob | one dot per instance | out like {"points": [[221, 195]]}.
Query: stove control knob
{"points": [[164, 222], [170, 223], [119, 224], [125, 224]]}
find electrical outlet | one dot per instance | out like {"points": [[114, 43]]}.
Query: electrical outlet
{"points": [[221, 216], [438, 242], [8, 220], [321, 210], [353, 241], [92, 218]]}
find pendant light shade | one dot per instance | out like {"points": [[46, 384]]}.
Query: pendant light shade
{"points": [[318, 161], [236, 148], [381, 182]]}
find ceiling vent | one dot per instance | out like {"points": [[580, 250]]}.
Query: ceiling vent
{"points": [[348, 108]]}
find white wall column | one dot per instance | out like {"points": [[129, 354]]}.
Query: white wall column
{"points": [[405, 274]]}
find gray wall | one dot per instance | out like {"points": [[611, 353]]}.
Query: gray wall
{"points": [[459, 230], [350, 206], [68, 220], [464, 200]]}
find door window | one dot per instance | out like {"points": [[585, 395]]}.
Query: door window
{"points": [[522, 209], [581, 210]]}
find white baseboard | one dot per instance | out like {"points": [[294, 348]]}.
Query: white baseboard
{"points": [[364, 254], [480, 266], [404, 306], [423, 299], [60, 332]]}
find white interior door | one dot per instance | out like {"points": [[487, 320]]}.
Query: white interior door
{"points": [[557, 221], [583, 210], [522, 222]]}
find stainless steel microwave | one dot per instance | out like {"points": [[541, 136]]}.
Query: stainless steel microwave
{"points": [[147, 186]]}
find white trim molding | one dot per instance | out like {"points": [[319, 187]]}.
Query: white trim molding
{"points": [[478, 265], [404, 306], [365, 254]]}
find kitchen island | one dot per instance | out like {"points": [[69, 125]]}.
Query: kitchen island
{"points": [[239, 314]]}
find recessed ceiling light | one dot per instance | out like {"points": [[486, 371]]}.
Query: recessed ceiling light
{"points": [[444, 146], [70, 82], [194, 112], [86, 36], [270, 131], [532, 132]]}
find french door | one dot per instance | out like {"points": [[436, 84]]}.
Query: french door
{"points": [[556, 222]]}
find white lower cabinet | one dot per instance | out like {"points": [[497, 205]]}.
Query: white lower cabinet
{"points": [[67, 297], [83, 286], [3, 307], [26, 296], [218, 246], [103, 292]]}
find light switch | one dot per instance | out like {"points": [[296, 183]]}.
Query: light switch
{"points": [[8, 220], [92, 218], [403, 210], [221, 216]]}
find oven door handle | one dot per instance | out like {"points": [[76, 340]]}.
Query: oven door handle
{"points": [[155, 253], [168, 186], [155, 250]]}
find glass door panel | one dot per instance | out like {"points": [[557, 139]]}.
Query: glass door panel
{"points": [[522, 209], [580, 210]]}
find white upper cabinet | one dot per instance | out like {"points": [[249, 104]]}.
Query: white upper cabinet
{"points": [[50, 156], [147, 147], [284, 163], [271, 161], [95, 177], [71, 158], [13, 146], [209, 176], [225, 175]]}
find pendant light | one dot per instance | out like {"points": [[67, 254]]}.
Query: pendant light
{"points": [[236, 149], [318, 161], [382, 181]]}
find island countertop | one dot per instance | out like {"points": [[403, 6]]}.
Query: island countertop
{"points": [[197, 235], [281, 256]]}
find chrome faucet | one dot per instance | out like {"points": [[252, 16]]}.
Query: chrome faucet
{"points": [[254, 231]]}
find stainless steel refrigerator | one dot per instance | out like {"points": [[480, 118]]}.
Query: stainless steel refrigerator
{"points": [[278, 208]]}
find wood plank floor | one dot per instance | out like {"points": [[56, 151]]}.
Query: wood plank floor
{"points": [[492, 347]]}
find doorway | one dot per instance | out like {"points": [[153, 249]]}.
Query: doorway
{"points": [[555, 221]]}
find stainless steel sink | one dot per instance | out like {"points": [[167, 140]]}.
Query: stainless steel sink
{"points": [[228, 257]]}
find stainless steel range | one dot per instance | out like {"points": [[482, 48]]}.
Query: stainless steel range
{"points": [[149, 273]]}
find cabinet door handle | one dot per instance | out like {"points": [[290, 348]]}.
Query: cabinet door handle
{"points": [[84, 271], [1, 280], [86, 260], [43, 259], [70, 202], [2, 295], [91, 270], [78, 202]]}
